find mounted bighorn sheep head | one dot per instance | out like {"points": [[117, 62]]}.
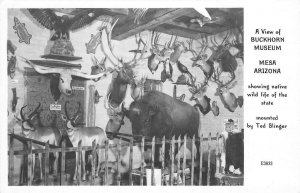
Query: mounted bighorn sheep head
{"points": [[65, 77]]}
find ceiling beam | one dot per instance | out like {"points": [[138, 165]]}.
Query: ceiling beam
{"points": [[104, 11], [179, 31], [156, 18], [189, 27]]}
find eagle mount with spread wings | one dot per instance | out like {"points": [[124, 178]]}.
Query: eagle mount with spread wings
{"points": [[63, 24]]}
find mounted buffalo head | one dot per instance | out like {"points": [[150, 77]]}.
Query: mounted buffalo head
{"points": [[64, 77]]}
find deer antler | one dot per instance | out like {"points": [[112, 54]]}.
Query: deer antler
{"points": [[135, 60], [216, 78]]}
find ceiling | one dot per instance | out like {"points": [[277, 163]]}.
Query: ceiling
{"points": [[184, 22]]}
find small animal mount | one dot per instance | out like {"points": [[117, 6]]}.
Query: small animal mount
{"points": [[97, 97], [11, 58], [98, 67], [92, 45], [11, 67], [21, 31], [181, 97], [215, 108], [15, 100]]}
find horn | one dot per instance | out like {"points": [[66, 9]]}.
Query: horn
{"points": [[66, 111], [42, 70], [105, 101], [21, 113], [106, 48], [87, 76], [76, 114], [34, 112]]}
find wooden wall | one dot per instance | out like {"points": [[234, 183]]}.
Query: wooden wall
{"points": [[37, 47]]}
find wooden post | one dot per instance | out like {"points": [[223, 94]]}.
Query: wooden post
{"points": [[172, 160], [130, 162], [79, 151], [200, 161], [63, 162], [94, 153], [163, 147], [11, 162], [142, 161], [24, 168], [208, 159], [106, 167], [47, 153], [184, 160], [152, 160], [178, 159], [118, 163], [193, 161], [29, 166], [217, 154]]}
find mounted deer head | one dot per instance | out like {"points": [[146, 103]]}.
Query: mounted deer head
{"points": [[200, 59], [198, 94], [229, 100]]}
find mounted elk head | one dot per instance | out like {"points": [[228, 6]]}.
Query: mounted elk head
{"points": [[229, 100], [198, 95], [122, 76], [63, 78]]}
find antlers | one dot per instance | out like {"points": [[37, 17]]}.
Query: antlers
{"points": [[75, 116], [216, 79], [31, 115]]}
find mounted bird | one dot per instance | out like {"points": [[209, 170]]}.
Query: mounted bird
{"points": [[63, 24]]}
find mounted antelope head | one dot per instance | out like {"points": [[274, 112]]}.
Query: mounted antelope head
{"points": [[32, 130], [84, 134], [200, 59], [229, 100], [198, 95], [64, 77]]}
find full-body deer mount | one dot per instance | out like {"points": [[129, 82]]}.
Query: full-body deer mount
{"points": [[86, 135], [32, 130]]}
